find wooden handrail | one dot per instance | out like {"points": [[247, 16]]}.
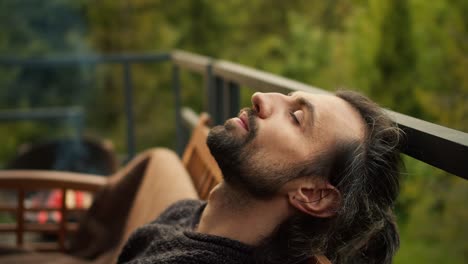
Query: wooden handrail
{"points": [[190, 61], [38, 179]]}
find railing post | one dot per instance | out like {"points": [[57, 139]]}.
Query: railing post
{"points": [[209, 90], [129, 109], [220, 92], [78, 121], [231, 100], [177, 106], [223, 97]]}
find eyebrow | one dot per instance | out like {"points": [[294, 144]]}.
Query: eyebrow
{"points": [[304, 103]]}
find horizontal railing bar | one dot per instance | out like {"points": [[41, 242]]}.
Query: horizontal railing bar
{"points": [[439, 146], [451, 135], [41, 113], [89, 59], [8, 209], [260, 80], [190, 61]]}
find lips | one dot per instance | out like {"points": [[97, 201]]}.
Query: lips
{"points": [[244, 120]]}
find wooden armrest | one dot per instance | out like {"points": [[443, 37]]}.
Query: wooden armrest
{"points": [[198, 161], [22, 180], [42, 179]]}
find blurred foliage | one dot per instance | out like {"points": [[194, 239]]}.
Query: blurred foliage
{"points": [[409, 55]]}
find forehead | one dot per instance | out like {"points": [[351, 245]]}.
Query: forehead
{"points": [[334, 116]]}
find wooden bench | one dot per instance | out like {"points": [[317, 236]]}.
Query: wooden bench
{"points": [[123, 202]]}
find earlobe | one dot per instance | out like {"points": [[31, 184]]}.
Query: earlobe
{"points": [[323, 201]]}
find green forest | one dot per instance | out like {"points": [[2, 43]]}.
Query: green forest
{"points": [[410, 56]]}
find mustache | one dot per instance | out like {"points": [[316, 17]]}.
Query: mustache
{"points": [[252, 114]]}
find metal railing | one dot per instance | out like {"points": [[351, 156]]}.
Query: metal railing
{"points": [[126, 60], [439, 146]]}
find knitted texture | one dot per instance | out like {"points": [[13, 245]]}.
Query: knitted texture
{"points": [[171, 239]]}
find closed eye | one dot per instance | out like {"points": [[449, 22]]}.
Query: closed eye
{"points": [[294, 118]]}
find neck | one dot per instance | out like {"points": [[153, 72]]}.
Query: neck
{"points": [[240, 217]]}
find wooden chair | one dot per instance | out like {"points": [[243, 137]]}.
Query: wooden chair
{"points": [[123, 202], [198, 161]]}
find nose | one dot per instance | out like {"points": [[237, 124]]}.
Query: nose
{"points": [[264, 103]]}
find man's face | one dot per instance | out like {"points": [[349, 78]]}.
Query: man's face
{"points": [[275, 140]]}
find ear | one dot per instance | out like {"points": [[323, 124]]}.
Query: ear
{"points": [[319, 200]]}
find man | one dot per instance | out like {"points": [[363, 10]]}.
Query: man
{"points": [[304, 175]]}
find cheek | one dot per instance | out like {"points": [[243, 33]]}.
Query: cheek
{"points": [[280, 143]]}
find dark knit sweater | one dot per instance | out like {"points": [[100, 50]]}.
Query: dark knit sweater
{"points": [[171, 239]]}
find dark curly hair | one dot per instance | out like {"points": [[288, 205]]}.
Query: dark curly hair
{"points": [[366, 172], [368, 177]]}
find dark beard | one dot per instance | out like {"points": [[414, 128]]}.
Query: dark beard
{"points": [[234, 156], [230, 152]]}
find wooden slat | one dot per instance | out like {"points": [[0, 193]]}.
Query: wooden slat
{"points": [[196, 168], [39, 179], [206, 187], [20, 219], [8, 209], [35, 227], [213, 183], [199, 162], [62, 228], [205, 182], [7, 228]]}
